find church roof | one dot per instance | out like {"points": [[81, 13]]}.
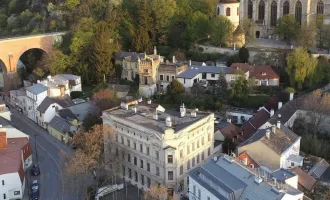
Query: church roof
{"points": [[228, 1]]}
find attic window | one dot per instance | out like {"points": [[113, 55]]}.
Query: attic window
{"points": [[263, 73]]}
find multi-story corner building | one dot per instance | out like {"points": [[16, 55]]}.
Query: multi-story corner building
{"points": [[140, 65], [35, 94], [265, 14], [167, 72], [160, 146]]}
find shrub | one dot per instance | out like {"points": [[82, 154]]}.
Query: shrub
{"points": [[243, 55]]}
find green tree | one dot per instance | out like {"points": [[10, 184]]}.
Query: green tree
{"points": [[307, 36], [222, 88], [243, 54], [198, 27], [300, 65], [141, 41], [25, 17], [175, 87], [144, 15], [222, 31], [288, 28], [3, 21], [71, 3], [59, 63], [102, 48], [325, 36], [240, 89]]}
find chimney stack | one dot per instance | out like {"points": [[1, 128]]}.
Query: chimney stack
{"points": [[3, 141], [279, 105], [155, 116], [173, 59], [168, 121], [229, 120], [278, 124], [267, 133], [272, 112], [274, 129], [291, 96], [135, 109], [149, 101], [155, 50], [193, 114], [182, 110]]}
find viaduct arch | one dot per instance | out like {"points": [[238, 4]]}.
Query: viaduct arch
{"points": [[11, 50]]}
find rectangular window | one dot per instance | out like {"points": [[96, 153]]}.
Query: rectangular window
{"points": [[136, 177], [129, 173], [203, 155], [4, 196], [181, 169], [208, 151], [170, 159], [148, 182], [161, 77], [134, 145], [117, 152], [212, 75], [208, 198], [122, 139], [194, 189], [142, 179], [17, 192], [199, 194], [123, 155], [148, 167], [188, 164], [197, 144], [128, 143], [202, 140], [135, 161], [141, 164], [193, 146], [197, 158], [167, 78], [141, 148], [124, 171], [145, 70], [129, 157], [209, 137], [188, 149], [170, 175], [157, 171], [148, 150], [181, 153], [193, 162], [173, 78], [157, 155], [184, 81], [3, 182]]}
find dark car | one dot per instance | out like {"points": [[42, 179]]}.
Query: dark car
{"points": [[35, 195], [35, 170], [35, 185]]}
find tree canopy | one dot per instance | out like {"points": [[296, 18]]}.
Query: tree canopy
{"points": [[222, 31], [175, 87], [288, 28]]}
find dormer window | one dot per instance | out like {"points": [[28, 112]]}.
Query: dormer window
{"points": [[263, 73]]}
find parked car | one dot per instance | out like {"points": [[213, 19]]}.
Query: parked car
{"points": [[35, 195], [35, 185], [35, 170]]}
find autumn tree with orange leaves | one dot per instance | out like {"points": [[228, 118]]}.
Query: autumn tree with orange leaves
{"points": [[158, 193], [105, 98]]}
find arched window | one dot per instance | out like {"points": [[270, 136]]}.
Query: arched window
{"points": [[218, 11], [298, 12], [250, 9], [286, 8], [273, 14], [261, 10], [320, 8], [227, 11]]}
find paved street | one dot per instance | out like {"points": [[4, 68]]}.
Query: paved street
{"points": [[51, 181]]}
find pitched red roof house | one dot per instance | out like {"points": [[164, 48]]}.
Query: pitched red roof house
{"points": [[255, 122], [304, 180], [246, 159]]}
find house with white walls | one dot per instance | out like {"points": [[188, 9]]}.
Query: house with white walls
{"points": [[35, 94], [49, 107], [225, 178], [15, 158], [273, 148], [239, 115]]}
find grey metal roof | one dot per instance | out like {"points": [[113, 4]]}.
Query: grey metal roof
{"points": [[64, 102], [36, 88], [82, 110], [194, 70], [60, 124], [133, 55], [282, 174], [67, 114], [227, 179]]}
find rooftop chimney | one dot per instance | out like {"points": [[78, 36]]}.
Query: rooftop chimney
{"points": [[278, 124], [49, 77], [189, 62], [155, 116], [182, 110], [155, 50], [3, 141], [229, 120], [267, 133], [149, 101], [291, 96], [173, 59], [193, 114], [272, 112], [274, 129], [279, 105], [140, 100], [135, 109], [168, 121]]}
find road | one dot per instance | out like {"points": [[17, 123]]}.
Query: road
{"points": [[52, 183]]}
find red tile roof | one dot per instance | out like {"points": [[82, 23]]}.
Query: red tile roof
{"points": [[231, 131], [250, 161], [305, 180], [258, 72], [11, 158], [255, 122]]}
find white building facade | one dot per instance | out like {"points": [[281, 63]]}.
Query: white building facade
{"points": [[35, 94], [229, 9], [161, 155]]}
